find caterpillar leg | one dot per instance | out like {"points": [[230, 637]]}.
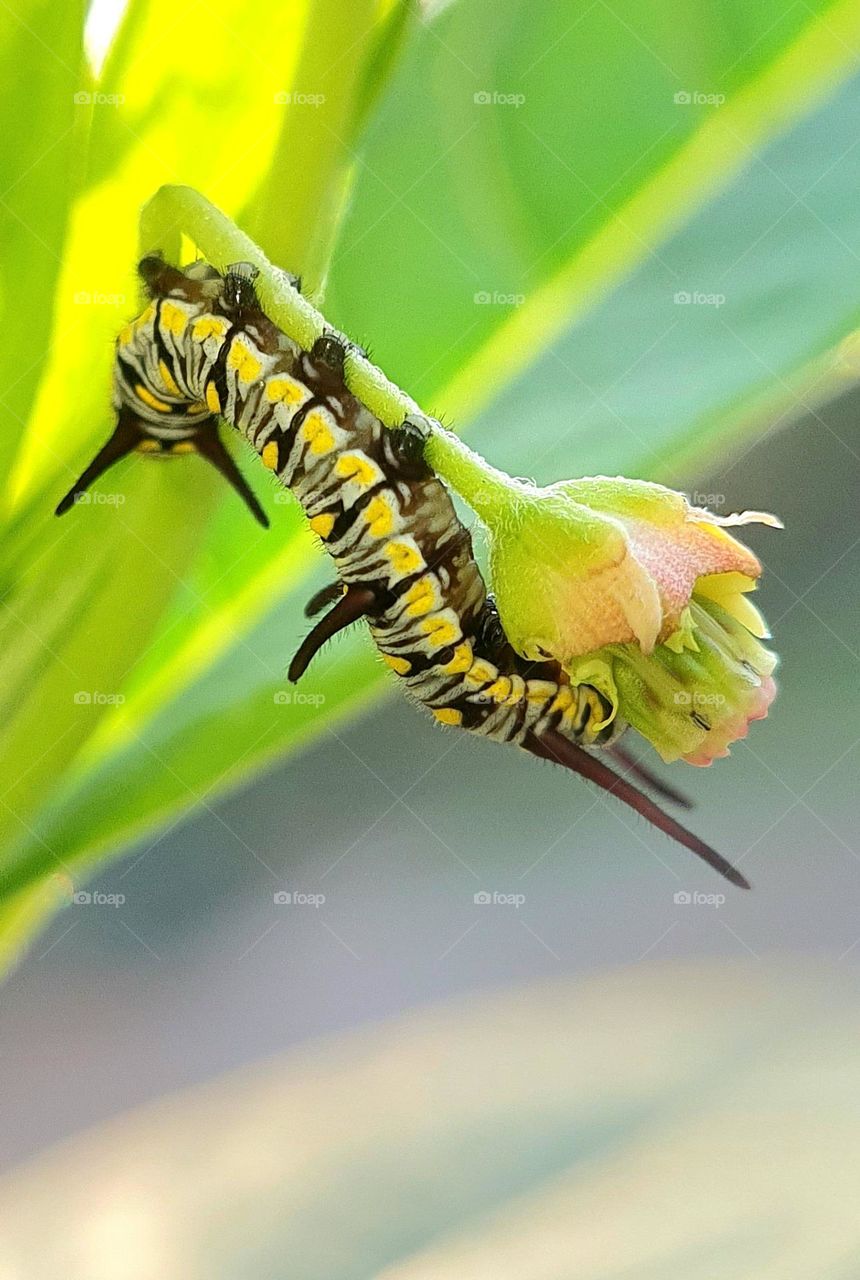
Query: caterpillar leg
{"points": [[294, 281], [632, 766], [239, 293], [406, 446], [330, 349], [554, 746], [353, 605]]}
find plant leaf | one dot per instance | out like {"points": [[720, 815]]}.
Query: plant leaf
{"points": [[82, 598], [41, 69], [296, 216]]}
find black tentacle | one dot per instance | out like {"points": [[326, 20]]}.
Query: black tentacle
{"points": [[649, 779], [210, 446], [126, 437], [554, 746], [353, 605]]}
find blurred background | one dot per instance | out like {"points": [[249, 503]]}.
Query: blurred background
{"points": [[591, 1075]]}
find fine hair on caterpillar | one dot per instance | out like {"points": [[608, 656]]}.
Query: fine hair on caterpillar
{"points": [[203, 352]]}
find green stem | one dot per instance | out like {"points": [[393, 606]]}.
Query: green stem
{"points": [[176, 211], [484, 487]]}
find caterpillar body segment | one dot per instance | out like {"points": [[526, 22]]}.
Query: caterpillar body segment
{"points": [[203, 351]]}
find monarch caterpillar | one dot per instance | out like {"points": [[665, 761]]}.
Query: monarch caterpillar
{"points": [[202, 351]]}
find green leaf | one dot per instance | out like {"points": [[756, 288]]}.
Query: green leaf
{"points": [[347, 53], [67, 642], [82, 599], [79, 612], [42, 71], [553, 198], [23, 914]]}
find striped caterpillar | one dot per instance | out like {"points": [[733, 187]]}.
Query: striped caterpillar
{"points": [[203, 350]]}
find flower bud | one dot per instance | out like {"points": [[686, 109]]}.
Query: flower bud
{"points": [[639, 593]]}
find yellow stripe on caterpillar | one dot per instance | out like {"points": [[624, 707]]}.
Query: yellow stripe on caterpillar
{"points": [[405, 557], [481, 672], [563, 700], [168, 379], [323, 524], [358, 468], [448, 715], [208, 327], [507, 691], [270, 455], [541, 690], [400, 665], [281, 390], [422, 597], [500, 691], [143, 393], [173, 318], [461, 661], [590, 711], [379, 516], [244, 360], [317, 431], [440, 630]]}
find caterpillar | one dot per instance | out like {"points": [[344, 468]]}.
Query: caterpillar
{"points": [[203, 351]]}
